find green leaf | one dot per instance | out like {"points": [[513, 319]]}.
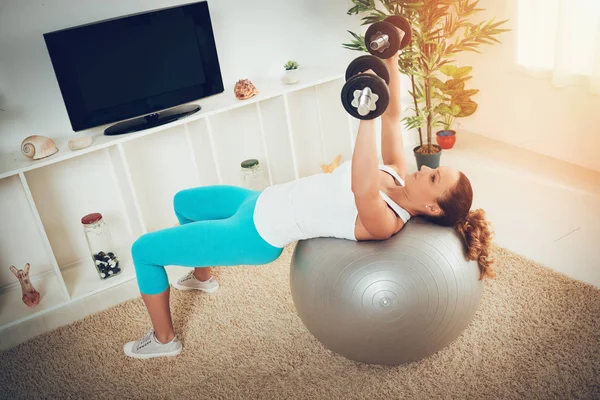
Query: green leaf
{"points": [[455, 109], [462, 72], [456, 84], [435, 82], [448, 70], [357, 37], [442, 109], [468, 93], [413, 122], [467, 109]]}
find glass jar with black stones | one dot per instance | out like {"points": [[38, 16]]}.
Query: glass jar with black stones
{"points": [[101, 246]]}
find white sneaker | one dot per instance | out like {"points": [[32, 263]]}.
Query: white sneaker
{"points": [[190, 282], [149, 347]]}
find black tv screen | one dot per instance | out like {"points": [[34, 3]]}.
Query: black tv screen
{"points": [[135, 65]]}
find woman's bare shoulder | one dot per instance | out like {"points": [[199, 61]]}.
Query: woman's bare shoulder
{"points": [[400, 170]]}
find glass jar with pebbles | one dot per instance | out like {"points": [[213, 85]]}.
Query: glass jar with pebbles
{"points": [[253, 175], [101, 245]]}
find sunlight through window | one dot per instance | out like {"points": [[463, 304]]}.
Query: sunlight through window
{"points": [[561, 35]]}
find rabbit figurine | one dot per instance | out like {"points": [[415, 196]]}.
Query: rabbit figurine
{"points": [[31, 297]]}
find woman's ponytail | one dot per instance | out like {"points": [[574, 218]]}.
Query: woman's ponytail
{"points": [[477, 235], [472, 226]]}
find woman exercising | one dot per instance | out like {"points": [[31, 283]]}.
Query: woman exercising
{"points": [[360, 200]]}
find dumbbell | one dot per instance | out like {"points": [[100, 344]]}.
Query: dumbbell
{"points": [[383, 39], [366, 96]]}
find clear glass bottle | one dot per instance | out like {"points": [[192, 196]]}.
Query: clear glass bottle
{"points": [[253, 175], [101, 245]]}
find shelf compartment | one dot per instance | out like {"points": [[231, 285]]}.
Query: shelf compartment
{"points": [[237, 136], [12, 308], [202, 146], [82, 279], [165, 158], [335, 124], [303, 113], [121, 175], [65, 192], [21, 239], [272, 113]]}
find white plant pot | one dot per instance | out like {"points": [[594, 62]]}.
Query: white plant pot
{"points": [[290, 76]]}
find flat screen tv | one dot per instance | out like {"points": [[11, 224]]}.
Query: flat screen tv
{"points": [[136, 66]]}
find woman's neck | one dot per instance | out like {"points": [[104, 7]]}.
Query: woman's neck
{"points": [[400, 196]]}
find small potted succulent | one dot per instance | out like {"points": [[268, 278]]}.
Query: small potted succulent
{"points": [[291, 72]]}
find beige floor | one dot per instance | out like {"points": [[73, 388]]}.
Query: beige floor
{"points": [[542, 208], [534, 336]]}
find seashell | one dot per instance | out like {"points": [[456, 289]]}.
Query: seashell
{"points": [[37, 147], [80, 143], [244, 89]]}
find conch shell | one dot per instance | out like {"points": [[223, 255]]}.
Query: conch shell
{"points": [[37, 147], [244, 89]]}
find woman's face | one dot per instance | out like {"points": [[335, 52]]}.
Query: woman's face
{"points": [[427, 185]]}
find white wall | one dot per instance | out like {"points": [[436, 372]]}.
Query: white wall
{"points": [[528, 112], [254, 39]]}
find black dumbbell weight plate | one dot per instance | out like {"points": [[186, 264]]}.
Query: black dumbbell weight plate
{"points": [[403, 24], [359, 82], [366, 62], [393, 38]]}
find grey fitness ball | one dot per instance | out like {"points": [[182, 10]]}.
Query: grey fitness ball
{"points": [[386, 302]]}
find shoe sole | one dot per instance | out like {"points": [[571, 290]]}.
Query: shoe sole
{"points": [[185, 288], [147, 356]]}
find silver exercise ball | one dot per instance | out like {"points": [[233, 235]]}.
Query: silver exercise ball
{"points": [[386, 302]]}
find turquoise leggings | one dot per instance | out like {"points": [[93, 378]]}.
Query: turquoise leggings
{"points": [[216, 229]]}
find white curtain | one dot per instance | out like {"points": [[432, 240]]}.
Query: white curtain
{"points": [[560, 40]]}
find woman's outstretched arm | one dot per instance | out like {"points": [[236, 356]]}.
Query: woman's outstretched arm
{"points": [[392, 144], [365, 165], [377, 218]]}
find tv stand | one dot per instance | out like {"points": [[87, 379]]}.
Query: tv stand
{"points": [[152, 120]]}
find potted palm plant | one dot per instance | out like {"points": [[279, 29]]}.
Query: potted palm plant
{"points": [[440, 30]]}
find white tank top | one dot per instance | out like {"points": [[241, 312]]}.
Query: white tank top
{"points": [[319, 205]]}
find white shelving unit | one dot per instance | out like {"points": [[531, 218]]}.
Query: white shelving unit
{"points": [[131, 179]]}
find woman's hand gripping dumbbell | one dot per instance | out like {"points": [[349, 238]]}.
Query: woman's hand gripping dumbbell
{"points": [[384, 39], [366, 95]]}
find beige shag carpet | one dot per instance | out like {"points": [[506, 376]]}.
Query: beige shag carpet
{"points": [[536, 335]]}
